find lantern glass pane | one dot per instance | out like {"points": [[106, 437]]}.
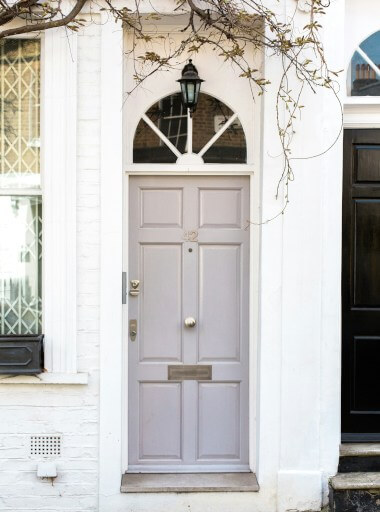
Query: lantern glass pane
{"points": [[197, 89], [190, 93]]}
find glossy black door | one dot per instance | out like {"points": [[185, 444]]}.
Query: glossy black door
{"points": [[361, 287]]}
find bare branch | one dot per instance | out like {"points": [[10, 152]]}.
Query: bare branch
{"points": [[38, 27]]}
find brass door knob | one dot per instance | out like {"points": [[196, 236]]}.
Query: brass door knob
{"points": [[190, 321]]}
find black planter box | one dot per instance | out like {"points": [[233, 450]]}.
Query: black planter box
{"points": [[22, 355]]}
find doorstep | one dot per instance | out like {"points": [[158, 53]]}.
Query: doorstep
{"points": [[355, 481], [189, 482]]}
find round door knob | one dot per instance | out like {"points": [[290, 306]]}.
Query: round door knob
{"points": [[190, 321]]}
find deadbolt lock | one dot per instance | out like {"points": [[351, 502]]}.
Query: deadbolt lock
{"points": [[134, 290], [132, 329]]}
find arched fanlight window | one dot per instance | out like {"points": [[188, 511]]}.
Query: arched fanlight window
{"points": [[364, 71], [167, 134]]}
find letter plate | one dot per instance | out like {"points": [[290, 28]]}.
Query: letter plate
{"points": [[190, 372]]}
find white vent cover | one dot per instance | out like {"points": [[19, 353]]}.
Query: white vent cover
{"points": [[45, 446]]}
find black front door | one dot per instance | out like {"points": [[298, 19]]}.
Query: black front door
{"points": [[361, 287]]}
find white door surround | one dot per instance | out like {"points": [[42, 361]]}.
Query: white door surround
{"points": [[287, 476]]}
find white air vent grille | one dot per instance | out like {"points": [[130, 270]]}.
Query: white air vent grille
{"points": [[45, 446]]}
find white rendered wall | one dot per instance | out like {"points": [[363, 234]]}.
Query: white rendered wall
{"points": [[298, 427]]}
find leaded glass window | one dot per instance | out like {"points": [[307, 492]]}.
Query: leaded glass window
{"points": [[20, 193]]}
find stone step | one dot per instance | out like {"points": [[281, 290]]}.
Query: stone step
{"points": [[359, 457], [355, 492], [189, 482], [359, 449]]}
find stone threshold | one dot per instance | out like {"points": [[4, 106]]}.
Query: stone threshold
{"points": [[355, 481], [359, 449], [189, 482]]}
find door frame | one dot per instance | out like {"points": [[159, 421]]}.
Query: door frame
{"points": [[359, 113], [254, 253]]}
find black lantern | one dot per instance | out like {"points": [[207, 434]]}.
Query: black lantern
{"points": [[190, 86]]}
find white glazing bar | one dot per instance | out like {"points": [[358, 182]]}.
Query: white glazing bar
{"points": [[368, 60], [161, 135], [217, 135], [189, 132]]}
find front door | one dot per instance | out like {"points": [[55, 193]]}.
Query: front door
{"points": [[188, 323], [361, 287]]}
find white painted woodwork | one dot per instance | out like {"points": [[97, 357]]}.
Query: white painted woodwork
{"points": [[58, 162], [190, 252]]}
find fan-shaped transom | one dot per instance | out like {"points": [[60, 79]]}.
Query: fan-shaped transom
{"points": [[167, 134], [364, 71]]}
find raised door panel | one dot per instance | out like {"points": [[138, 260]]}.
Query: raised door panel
{"points": [[220, 208], [366, 270], [160, 421], [219, 302], [161, 207], [219, 421], [365, 359], [161, 302], [367, 163]]}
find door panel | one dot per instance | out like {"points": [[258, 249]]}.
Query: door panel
{"points": [[161, 291], [161, 208], [361, 286], [219, 302], [160, 420], [219, 420], [220, 208], [367, 250], [190, 252]]}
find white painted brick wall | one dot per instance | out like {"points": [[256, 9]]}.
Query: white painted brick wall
{"points": [[69, 410]]}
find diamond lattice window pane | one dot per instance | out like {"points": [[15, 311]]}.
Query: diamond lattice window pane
{"points": [[20, 265], [20, 113]]}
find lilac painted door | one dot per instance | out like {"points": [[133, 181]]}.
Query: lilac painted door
{"points": [[189, 249]]}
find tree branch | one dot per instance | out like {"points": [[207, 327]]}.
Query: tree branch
{"points": [[38, 27]]}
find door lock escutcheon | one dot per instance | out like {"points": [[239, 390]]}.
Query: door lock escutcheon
{"points": [[133, 329], [134, 290]]}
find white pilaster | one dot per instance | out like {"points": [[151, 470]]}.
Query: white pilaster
{"points": [[111, 182], [58, 159]]}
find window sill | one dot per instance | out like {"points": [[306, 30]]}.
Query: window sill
{"points": [[46, 378], [189, 482]]}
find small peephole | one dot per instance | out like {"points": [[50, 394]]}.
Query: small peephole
{"points": [[190, 250]]}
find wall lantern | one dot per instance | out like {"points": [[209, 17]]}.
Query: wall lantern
{"points": [[190, 86]]}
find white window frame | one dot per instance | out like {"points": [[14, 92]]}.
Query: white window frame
{"points": [[58, 184]]}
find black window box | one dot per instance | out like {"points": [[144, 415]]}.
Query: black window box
{"points": [[22, 355]]}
